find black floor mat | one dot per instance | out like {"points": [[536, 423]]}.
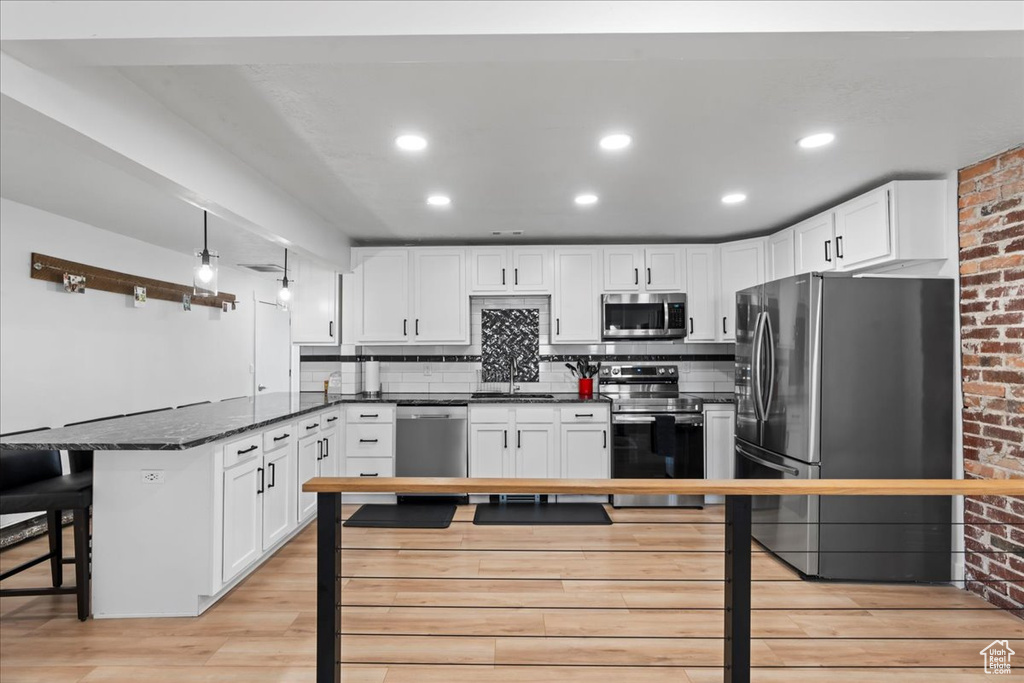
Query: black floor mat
{"points": [[561, 514], [403, 516]]}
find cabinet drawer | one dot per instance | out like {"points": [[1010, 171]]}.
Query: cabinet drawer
{"points": [[584, 413], [369, 440], [369, 467], [310, 426], [489, 415], [535, 415], [331, 418], [279, 437], [246, 448], [371, 412]]}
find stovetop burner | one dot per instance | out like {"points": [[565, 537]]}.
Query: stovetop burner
{"points": [[646, 389]]}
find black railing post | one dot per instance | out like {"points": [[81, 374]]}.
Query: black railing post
{"points": [[328, 610], [737, 589]]}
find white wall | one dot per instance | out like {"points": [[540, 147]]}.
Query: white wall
{"points": [[70, 357]]}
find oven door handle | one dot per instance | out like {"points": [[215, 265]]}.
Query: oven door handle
{"points": [[694, 420], [767, 463]]}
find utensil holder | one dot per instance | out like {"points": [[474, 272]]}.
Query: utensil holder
{"points": [[587, 388]]}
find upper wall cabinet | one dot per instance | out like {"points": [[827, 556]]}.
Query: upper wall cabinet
{"points": [[814, 242], [314, 306], [638, 269], [576, 302], [741, 265], [510, 270], [701, 293], [411, 296], [780, 256]]}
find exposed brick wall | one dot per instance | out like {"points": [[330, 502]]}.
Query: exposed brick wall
{"points": [[991, 226]]}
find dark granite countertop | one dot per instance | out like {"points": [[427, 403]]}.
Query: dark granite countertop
{"points": [[184, 428], [715, 396]]}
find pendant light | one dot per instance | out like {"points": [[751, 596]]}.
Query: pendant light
{"points": [[284, 295], [204, 274]]}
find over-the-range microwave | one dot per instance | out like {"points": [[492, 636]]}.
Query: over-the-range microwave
{"points": [[643, 316]]}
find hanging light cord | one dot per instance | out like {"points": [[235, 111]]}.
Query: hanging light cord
{"points": [[206, 251], [284, 281]]}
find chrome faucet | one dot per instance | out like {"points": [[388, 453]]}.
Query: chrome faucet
{"points": [[512, 375]]}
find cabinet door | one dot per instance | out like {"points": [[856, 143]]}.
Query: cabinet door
{"points": [[814, 243], [307, 468], [330, 453], [622, 269], [279, 508], [701, 290], [781, 255], [243, 516], [532, 269], [664, 269], [383, 296], [536, 454], [314, 305], [584, 451], [440, 301], [488, 450], [863, 230], [741, 265], [576, 302], [489, 270], [719, 447]]}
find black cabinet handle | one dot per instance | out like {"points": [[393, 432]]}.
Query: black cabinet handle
{"points": [[584, 415], [724, 318], [519, 438], [558, 326], [327, 448], [250, 449], [691, 325], [503, 277], [648, 276], [260, 489], [604, 433], [312, 426], [365, 474], [636, 276], [332, 419], [405, 326], [273, 475], [282, 437], [319, 449], [516, 273], [506, 439], [367, 440], [416, 327], [374, 415], [828, 257], [839, 247], [330, 328]]}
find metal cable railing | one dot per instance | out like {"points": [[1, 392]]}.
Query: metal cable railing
{"points": [[475, 599]]}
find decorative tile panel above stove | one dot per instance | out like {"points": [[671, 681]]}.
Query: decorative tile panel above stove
{"points": [[510, 333]]}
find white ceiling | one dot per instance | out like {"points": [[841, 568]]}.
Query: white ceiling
{"points": [[513, 123]]}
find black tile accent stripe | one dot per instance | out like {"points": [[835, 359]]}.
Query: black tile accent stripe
{"points": [[594, 357]]}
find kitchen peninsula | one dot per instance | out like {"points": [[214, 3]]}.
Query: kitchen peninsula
{"points": [[188, 502]]}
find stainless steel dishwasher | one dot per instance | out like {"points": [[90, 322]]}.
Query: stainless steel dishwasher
{"points": [[432, 442]]}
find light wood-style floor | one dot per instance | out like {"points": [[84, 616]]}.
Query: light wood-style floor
{"points": [[629, 603]]}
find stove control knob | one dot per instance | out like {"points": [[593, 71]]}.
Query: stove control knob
{"points": [[671, 371], [661, 371], [605, 371], [615, 371]]}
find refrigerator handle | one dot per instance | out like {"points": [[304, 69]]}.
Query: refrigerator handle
{"points": [[767, 463], [769, 338], [755, 369]]}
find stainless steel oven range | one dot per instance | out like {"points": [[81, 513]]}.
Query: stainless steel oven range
{"points": [[657, 433]]}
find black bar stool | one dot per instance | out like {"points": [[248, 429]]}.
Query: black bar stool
{"points": [[32, 481]]}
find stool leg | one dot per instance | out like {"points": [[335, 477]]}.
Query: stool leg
{"points": [[53, 532], [82, 561]]}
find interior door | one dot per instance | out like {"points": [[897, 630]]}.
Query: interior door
{"points": [[273, 349], [749, 305]]}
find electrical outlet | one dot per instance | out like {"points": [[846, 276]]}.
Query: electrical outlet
{"points": [[152, 476], [428, 370]]}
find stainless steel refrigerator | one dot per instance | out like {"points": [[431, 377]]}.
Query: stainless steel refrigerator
{"points": [[841, 377]]}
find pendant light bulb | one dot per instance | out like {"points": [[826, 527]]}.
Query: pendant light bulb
{"points": [[204, 272], [284, 295]]}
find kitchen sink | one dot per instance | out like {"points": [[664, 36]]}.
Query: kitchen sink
{"points": [[499, 395]]}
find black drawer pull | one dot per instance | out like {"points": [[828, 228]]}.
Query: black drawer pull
{"points": [[312, 426], [604, 432], [250, 449], [319, 449], [261, 488], [331, 419], [273, 475], [280, 438], [327, 448], [374, 415], [364, 474], [584, 415], [367, 440]]}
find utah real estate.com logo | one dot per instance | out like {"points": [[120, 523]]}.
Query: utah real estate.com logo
{"points": [[997, 657]]}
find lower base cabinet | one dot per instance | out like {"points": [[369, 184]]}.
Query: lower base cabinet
{"points": [[585, 452], [719, 444]]}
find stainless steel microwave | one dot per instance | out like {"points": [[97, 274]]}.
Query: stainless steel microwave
{"points": [[643, 316]]}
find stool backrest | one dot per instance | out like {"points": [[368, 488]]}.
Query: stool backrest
{"points": [[18, 468]]}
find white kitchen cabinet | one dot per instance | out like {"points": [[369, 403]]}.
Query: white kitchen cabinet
{"points": [[814, 244], [280, 490], [331, 455], [319, 454], [639, 269], [536, 453], [382, 295], [440, 299], [314, 304], [741, 265], [701, 293], [488, 450], [781, 255], [513, 442], [862, 229], [489, 270], [585, 451], [307, 467], [576, 301], [719, 444], [532, 269], [622, 268], [243, 516], [664, 269]]}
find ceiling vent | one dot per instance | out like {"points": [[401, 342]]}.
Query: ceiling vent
{"points": [[262, 267]]}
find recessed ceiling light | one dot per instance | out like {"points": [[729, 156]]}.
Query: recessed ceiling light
{"points": [[616, 141], [411, 143], [816, 140], [734, 198], [586, 199], [439, 200]]}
